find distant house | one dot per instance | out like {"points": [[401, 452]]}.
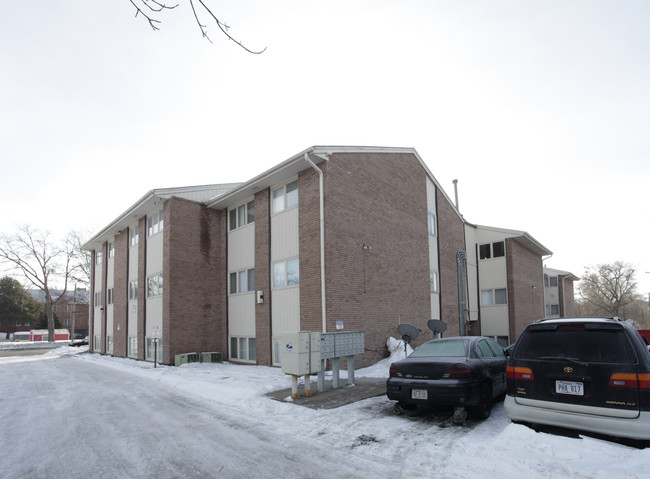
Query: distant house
{"points": [[559, 293], [332, 239], [72, 309]]}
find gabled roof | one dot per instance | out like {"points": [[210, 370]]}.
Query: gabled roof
{"points": [[558, 272], [297, 163], [148, 202], [520, 237]]}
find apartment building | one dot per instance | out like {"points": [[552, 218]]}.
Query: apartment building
{"points": [[332, 239]]}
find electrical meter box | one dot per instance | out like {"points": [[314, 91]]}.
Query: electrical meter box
{"points": [[301, 353]]}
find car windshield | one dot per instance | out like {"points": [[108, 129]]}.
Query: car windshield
{"points": [[441, 349], [579, 343]]}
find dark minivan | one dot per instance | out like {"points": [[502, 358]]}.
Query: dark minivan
{"points": [[589, 374]]}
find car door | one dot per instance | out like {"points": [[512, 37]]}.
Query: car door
{"points": [[495, 366]]}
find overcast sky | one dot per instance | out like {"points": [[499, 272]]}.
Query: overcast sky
{"points": [[541, 109]]}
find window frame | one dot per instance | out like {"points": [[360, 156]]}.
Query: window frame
{"points": [[154, 286], [432, 224], [286, 282], [155, 222], [286, 197], [235, 281], [241, 215]]}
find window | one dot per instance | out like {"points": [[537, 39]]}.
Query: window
{"points": [[133, 290], [154, 348], [431, 218], [242, 281], [241, 215], [111, 250], [96, 343], [243, 349], [99, 256], [494, 296], [552, 281], [98, 298], [552, 309], [494, 250], [286, 273], [134, 235], [154, 285], [133, 346], [284, 197], [155, 223], [109, 296], [109, 344], [484, 349], [433, 282]]}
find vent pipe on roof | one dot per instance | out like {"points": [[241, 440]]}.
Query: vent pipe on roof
{"points": [[456, 193]]}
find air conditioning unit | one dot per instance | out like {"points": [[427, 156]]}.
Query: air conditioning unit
{"points": [[186, 358], [211, 357]]}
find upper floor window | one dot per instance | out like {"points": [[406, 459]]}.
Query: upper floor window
{"points": [[155, 223], [284, 197], [111, 249], [98, 298], [241, 215], [286, 273], [99, 256], [242, 281], [134, 235], [492, 250], [431, 220], [109, 296]]}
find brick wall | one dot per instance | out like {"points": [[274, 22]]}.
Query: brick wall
{"points": [[193, 278], [378, 200], [263, 338], [120, 295], [451, 239], [525, 287]]}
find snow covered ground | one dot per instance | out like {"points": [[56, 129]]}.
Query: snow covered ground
{"points": [[258, 436]]}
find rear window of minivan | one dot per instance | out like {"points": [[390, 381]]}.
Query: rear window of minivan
{"points": [[577, 341]]}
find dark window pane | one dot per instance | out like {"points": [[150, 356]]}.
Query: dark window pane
{"points": [[484, 251]]}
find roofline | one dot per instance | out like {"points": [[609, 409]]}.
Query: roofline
{"points": [[541, 249]]}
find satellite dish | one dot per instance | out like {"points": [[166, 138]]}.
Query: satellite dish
{"points": [[408, 332], [437, 326]]}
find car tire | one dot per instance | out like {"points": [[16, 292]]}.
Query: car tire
{"points": [[484, 407]]}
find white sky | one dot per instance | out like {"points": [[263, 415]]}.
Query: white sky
{"points": [[540, 109]]}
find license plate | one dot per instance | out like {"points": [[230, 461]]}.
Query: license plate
{"points": [[569, 387], [418, 393]]}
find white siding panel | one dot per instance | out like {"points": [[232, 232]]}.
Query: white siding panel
{"points": [[133, 318], [431, 196], [494, 321], [155, 253], [493, 273], [285, 310], [472, 272], [154, 316], [284, 235], [241, 315], [241, 248]]}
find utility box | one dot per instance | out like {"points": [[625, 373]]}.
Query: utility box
{"points": [[301, 353]]}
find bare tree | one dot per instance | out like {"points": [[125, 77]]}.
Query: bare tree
{"points": [[152, 10], [47, 264], [609, 289]]}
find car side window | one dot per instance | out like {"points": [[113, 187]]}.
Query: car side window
{"points": [[498, 350], [484, 349]]}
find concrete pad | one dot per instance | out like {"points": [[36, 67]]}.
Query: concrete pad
{"points": [[363, 388]]}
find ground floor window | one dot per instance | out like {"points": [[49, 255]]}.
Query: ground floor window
{"points": [[133, 346], [243, 349], [96, 343], [552, 309], [154, 349], [109, 344]]}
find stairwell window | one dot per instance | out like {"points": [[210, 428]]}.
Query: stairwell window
{"points": [[284, 197], [492, 250], [431, 220]]}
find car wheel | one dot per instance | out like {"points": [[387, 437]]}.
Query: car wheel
{"points": [[484, 407]]}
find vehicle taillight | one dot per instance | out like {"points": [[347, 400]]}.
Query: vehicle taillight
{"points": [[517, 372], [630, 380], [394, 372], [457, 371]]}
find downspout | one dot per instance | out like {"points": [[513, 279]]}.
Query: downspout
{"points": [[460, 257], [322, 239]]}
